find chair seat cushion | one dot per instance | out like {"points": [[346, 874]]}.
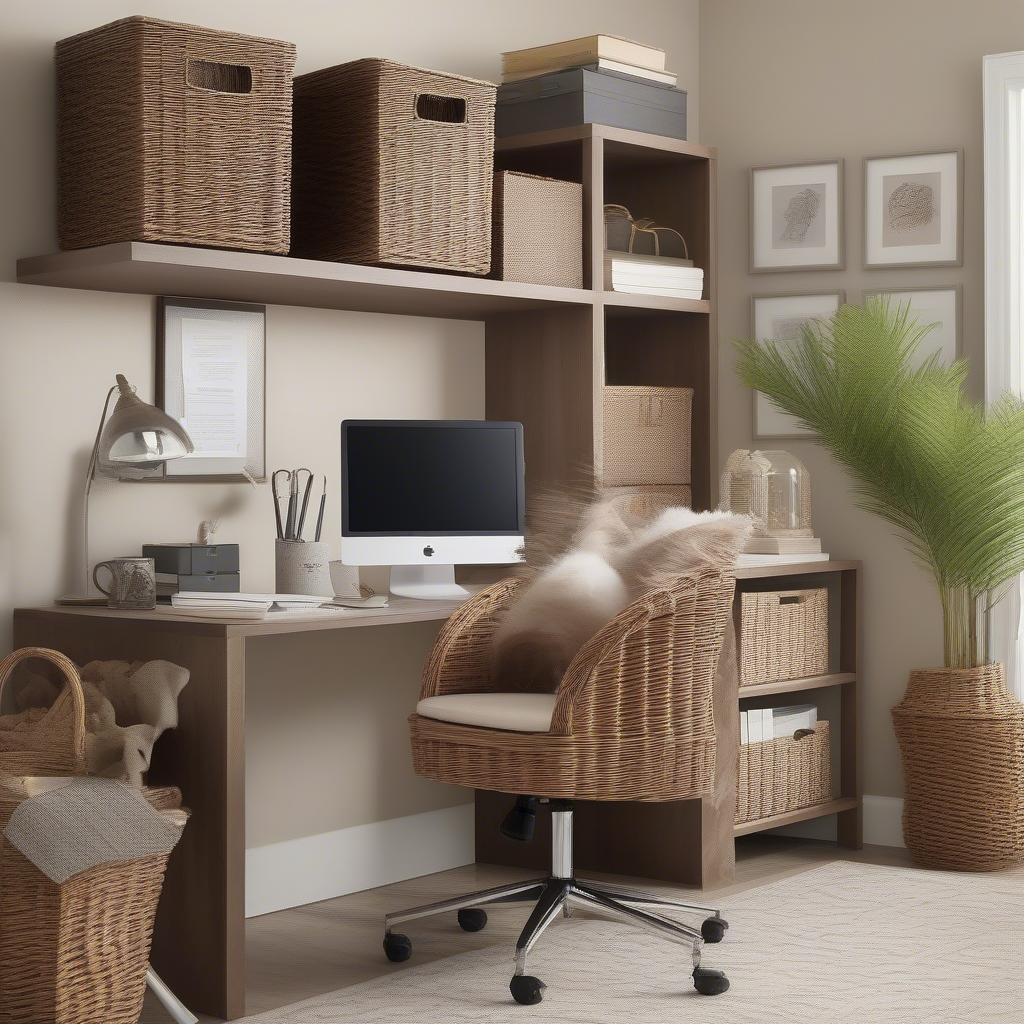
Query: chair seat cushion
{"points": [[515, 712]]}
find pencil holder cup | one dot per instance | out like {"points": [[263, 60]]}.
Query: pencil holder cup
{"points": [[301, 567]]}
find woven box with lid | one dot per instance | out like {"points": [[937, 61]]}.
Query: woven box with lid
{"points": [[173, 133], [783, 635], [646, 435], [538, 230], [394, 165]]}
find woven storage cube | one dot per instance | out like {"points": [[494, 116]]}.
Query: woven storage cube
{"points": [[782, 775], [646, 435], [394, 165], [538, 230], [173, 133], [645, 502], [77, 952], [783, 635]]}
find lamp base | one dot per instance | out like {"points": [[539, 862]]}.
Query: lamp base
{"points": [[83, 600]]}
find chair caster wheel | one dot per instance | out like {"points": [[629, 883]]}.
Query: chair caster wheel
{"points": [[397, 947], [472, 920], [713, 929], [526, 989], [709, 982]]}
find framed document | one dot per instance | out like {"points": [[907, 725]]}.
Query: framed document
{"points": [[210, 375]]}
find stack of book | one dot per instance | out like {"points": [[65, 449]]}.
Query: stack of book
{"points": [[239, 607], [652, 275], [760, 724], [596, 53]]}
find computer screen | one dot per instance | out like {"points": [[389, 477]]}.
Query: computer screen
{"points": [[431, 478]]}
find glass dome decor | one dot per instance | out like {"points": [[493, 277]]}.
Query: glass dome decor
{"points": [[774, 489]]}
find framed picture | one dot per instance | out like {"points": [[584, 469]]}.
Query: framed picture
{"points": [[779, 318], [913, 210], [796, 217], [942, 307], [210, 374]]}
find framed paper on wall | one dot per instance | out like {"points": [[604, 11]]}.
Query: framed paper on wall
{"points": [[941, 307], [796, 217], [913, 210], [210, 374], [780, 318]]}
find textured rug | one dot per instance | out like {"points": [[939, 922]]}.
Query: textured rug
{"points": [[841, 943]]}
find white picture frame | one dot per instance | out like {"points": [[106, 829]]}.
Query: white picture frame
{"points": [[913, 210], [796, 217], [778, 318], [942, 307]]}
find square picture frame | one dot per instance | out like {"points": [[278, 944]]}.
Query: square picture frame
{"points": [[943, 307], [211, 375], [776, 318], [913, 210], [797, 217]]}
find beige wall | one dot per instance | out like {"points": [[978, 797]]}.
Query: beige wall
{"points": [[60, 349], [793, 80]]}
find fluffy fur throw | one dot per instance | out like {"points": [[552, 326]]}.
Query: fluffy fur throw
{"points": [[608, 558]]}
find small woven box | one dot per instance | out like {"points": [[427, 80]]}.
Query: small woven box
{"points": [[646, 435], [783, 635]]}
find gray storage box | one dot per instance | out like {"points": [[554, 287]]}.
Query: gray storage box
{"points": [[582, 96], [193, 559]]}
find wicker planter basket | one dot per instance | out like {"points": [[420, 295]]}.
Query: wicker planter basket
{"points": [[173, 133], [783, 635], [393, 165], [784, 774], [646, 435], [76, 952], [961, 735]]}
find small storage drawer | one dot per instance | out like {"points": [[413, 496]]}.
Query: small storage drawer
{"points": [[783, 635], [646, 435], [782, 775]]}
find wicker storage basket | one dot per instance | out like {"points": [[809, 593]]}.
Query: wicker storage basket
{"points": [[783, 635], [646, 435], [538, 230], [173, 133], [781, 775], [77, 952], [393, 165]]}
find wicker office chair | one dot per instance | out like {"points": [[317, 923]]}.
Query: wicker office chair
{"points": [[631, 720]]}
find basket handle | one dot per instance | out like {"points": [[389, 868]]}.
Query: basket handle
{"points": [[73, 688], [218, 76], [442, 109]]}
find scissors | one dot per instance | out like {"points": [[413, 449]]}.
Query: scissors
{"points": [[290, 527]]}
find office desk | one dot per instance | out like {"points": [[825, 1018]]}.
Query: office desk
{"points": [[199, 943]]}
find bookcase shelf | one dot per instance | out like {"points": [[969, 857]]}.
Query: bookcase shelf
{"points": [[800, 814], [797, 685]]}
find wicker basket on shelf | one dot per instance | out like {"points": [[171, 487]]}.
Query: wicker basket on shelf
{"points": [[783, 635], [76, 952], [646, 435]]}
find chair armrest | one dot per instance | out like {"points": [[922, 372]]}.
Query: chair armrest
{"points": [[461, 659], [652, 668]]}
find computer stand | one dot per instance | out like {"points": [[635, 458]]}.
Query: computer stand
{"points": [[427, 582]]}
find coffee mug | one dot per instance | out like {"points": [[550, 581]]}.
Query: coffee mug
{"points": [[132, 582]]}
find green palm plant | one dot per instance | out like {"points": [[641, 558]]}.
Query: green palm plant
{"points": [[946, 473]]}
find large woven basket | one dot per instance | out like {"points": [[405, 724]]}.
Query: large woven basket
{"points": [[783, 635], [961, 734], [646, 435], [782, 775], [173, 133], [75, 953], [393, 165]]}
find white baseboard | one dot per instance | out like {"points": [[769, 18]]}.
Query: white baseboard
{"points": [[314, 868], [883, 821]]}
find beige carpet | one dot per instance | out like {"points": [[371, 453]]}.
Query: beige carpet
{"points": [[841, 943]]}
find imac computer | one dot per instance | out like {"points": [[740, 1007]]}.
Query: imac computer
{"points": [[423, 495]]}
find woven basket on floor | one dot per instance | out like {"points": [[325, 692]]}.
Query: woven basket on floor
{"points": [[75, 953], [174, 133], [646, 435], [393, 165], [961, 734], [781, 775], [783, 635]]}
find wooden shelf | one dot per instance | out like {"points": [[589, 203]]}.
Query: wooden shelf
{"points": [[617, 141], [626, 303], [847, 803], [757, 572], [795, 685]]}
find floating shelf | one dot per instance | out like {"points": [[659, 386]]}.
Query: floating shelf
{"points": [[795, 685], [846, 803]]}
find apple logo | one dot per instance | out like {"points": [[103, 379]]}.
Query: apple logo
{"points": [[428, 551]]}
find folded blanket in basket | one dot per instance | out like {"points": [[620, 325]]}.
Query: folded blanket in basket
{"points": [[76, 824]]}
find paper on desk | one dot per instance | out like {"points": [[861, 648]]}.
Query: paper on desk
{"points": [[214, 374]]}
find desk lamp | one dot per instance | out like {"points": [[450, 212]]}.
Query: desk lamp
{"points": [[134, 443]]}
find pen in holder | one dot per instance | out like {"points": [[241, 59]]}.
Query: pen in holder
{"points": [[301, 567]]}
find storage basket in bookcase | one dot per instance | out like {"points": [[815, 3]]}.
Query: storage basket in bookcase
{"points": [[79, 951], [393, 165], [174, 133], [646, 435], [783, 635], [538, 230], [782, 775]]}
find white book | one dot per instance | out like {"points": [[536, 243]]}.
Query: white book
{"points": [[758, 561], [569, 53], [744, 735], [656, 264], [754, 720]]}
